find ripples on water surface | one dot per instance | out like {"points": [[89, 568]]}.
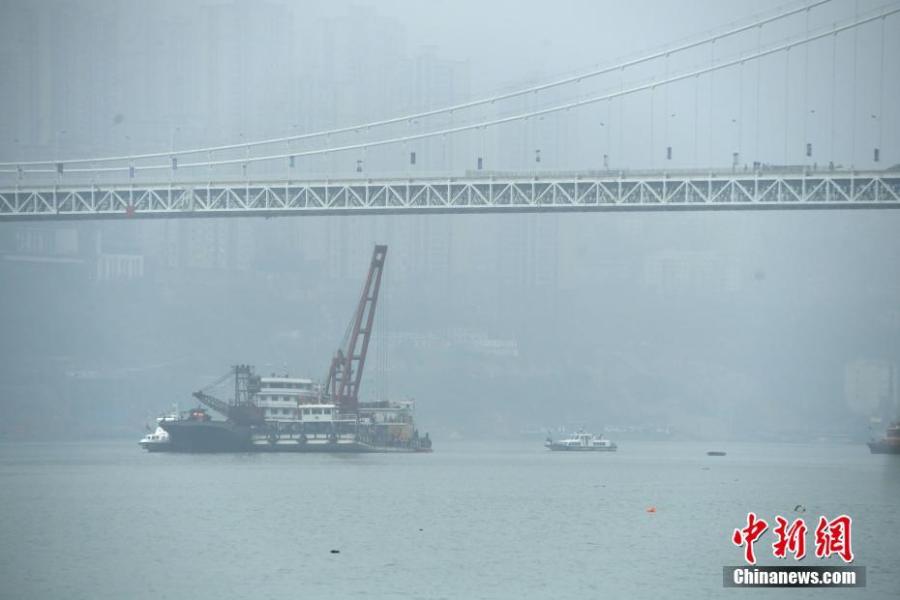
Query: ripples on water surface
{"points": [[510, 520]]}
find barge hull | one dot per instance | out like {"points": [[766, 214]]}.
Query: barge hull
{"points": [[223, 436], [208, 436], [883, 447]]}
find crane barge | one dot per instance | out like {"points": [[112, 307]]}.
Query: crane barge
{"points": [[292, 414]]}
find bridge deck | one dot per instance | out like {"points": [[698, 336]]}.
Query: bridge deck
{"points": [[654, 192]]}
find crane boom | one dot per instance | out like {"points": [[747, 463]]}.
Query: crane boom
{"points": [[242, 410], [345, 373], [220, 406]]}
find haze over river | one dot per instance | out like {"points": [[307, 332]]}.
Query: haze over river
{"points": [[472, 520]]}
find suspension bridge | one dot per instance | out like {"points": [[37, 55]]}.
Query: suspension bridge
{"points": [[261, 177]]}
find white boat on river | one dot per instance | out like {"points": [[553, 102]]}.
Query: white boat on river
{"points": [[582, 442]]}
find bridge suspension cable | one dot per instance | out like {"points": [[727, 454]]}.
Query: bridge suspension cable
{"points": [[832, 31], [757, 22]]}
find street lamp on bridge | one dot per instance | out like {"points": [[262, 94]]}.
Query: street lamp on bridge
{"points": [[876, 154], [291, 161], [668, 145], [809, 146], [605, 154], [59, 165]]}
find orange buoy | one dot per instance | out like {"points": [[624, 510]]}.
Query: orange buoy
{"points": [[651, 509]]}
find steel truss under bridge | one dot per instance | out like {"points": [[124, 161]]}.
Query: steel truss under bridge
{"points": [[498, 194]]}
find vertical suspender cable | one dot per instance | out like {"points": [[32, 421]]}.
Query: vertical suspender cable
{"points": [[481, 157], [537, 133], [880, 121], [652, 153], [621, 116], [572, 131], [787, 64], [608, 133], [853, 119], [449, 147], [833, 93], [806, 87], [326, 160], [529, 144], [712, 77], [696, 115], [666, 110], [758, 67], [740, 127], [560, 116]]}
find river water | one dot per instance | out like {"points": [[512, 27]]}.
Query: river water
{"points": [[472, 520]]}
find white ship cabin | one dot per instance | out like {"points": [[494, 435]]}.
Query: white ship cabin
{"points": [[579, 439], [280, 397], [314, 413], [585, 440]]}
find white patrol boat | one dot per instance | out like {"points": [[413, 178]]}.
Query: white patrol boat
{"points": [[582, 442], [158, 440]]}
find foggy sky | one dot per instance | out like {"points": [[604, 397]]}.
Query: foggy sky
{"points": [[720, 324], [94, 78]]}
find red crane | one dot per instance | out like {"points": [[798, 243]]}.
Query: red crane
{"points": [[345, 374]]}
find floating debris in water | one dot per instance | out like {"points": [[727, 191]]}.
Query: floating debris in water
{"points": [[335, 551]]}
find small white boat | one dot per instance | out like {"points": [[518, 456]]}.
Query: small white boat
{"points": [[582, 442], [158, 441]]}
